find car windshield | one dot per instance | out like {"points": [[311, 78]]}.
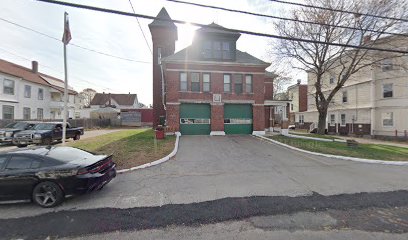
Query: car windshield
{"points": [[68, 154], [44, 126], [17, 125]]}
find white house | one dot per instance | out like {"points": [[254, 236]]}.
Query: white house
{"points": [[28, 94], [372, 102]]}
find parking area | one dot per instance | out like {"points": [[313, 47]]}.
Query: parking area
{"points": [[207, 168]]}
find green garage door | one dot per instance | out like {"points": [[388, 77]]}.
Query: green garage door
{"points": [[238, 118], [195, 119]]}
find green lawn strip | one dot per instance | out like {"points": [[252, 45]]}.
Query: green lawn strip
{"points": [[92, 144], [314, 135], [369, 151], [130, 148]]}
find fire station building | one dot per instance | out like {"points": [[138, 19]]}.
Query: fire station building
{"points": [[210, 87]]}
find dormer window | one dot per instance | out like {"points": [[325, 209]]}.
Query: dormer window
{"points": [[218, 50]]}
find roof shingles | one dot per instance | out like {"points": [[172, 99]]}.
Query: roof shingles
{"points": [[28, 75]]}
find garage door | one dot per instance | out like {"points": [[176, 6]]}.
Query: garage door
{"points": [[195, 119], [238, 118]]}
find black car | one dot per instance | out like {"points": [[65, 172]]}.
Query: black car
{"points": [[46, 175], [7, 133]]}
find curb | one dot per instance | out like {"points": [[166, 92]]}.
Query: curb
{"points": [[316, 138], [363, 160], [162, 160]]}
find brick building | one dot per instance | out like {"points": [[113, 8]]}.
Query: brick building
{"points": [[210, 87], [298, 95]]}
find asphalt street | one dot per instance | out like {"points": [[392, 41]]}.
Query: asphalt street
{"points": [[224, 171]]}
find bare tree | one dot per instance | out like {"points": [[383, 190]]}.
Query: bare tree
{"points": [[338, 62], [87, 95]]}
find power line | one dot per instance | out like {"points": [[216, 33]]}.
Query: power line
{"points": [[73, 44], [218, 28], [338, 10], [283, 18], [140, 26]]}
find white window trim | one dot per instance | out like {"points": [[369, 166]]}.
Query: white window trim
{"points": [[388, 126], [345, 120], [392, 90]]}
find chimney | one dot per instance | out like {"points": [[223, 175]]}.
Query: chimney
{"points": [[110, 100], [299, 81], [34, 66]]}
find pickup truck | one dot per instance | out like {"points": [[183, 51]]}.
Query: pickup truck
{"points": [[45, 134], [7, 133]]}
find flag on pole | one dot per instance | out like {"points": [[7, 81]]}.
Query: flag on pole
{"points": [[67, 32]]}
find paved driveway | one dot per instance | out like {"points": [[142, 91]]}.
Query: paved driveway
{"points": [[208, 168]]}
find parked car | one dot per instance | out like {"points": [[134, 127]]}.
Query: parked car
{"points": [[45, 134], [46, 175], [7, 133], [292, 127]]}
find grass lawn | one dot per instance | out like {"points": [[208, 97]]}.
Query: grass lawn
{"points": [[315, 135], [369, 151], [130, 148]]}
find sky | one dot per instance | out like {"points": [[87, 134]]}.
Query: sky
{"points": [[119, 36]]}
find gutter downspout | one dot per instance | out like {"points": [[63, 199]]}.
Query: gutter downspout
{"points": [[162, 77]]}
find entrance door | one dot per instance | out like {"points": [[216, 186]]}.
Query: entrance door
{"points": [[238, 118], [195, 119]]}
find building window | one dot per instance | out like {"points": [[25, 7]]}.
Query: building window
{"points": [[8, 87], [40, 94], [226, 52], [388, 119], [40, 114], [195, 82], [183, 82], [248, 83], [238, 88], [291, 107], [207, 49], [386, 65], [217, 50], [343, 119], [227, 83], [26, 113], [8, 112], [332, 78], [345, 99], [301, 119], [332, 120], [387, 90], [206, 82], [27, 91]]}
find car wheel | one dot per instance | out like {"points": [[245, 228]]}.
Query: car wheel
{"points": [[47, 141], [77, 136], [47, 194]]}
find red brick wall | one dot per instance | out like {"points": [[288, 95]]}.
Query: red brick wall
{"points": [[217, 83], [173, 117], [302, 98], [268, 88], [258, 118], [217, 117]]}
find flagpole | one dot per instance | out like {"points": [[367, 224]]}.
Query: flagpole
{"points": [[64, 126]]}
